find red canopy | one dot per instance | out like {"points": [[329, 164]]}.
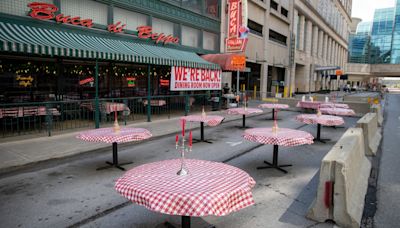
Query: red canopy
{"points": [[228, 61]]}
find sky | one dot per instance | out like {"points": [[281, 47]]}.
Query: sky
{"points": [[364, 9]]}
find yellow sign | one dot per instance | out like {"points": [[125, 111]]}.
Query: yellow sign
{"points": [[24, 81]]}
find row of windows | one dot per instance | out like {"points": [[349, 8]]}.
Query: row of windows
{"points": [[206, 7], [274, 5], [277, 37], [329, 11], [98, 12]]}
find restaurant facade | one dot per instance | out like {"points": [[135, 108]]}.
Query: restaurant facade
{"points": [[70, 50]]}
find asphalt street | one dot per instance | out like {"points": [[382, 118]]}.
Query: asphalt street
{"points": [[388, 188], [75, 194]]}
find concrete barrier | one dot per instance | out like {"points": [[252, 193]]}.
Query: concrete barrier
{"points": [[376, 108], [372, 134], [343, 182]]}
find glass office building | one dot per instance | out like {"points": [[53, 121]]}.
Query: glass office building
{"points": [[377, 42]]}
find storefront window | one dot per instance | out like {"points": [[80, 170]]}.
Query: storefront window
{"points": [[27, 81]]}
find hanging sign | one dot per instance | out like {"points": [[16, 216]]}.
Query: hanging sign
{"points": [[24, 81], [237, 29], [131, 81], [189, 79], [164, 82], [86, 80]]}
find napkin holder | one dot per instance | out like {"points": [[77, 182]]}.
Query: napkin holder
{"points": [[326, 99]]}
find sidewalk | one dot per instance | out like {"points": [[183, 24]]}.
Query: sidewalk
{"points": [[18, 154]]}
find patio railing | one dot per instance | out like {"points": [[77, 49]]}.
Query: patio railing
{"points": [[47, 118]]}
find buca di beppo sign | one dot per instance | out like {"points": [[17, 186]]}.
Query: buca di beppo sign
{"points": [[46, 11], [188, 79]]}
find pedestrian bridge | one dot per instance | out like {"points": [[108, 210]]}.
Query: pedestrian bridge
{"points": [[377, 70]]}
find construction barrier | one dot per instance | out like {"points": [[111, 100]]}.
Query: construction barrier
{"points": [[376, 108], [343, 182], [372, 133]]}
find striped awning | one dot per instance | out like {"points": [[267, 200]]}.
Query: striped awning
{"points": [[43, 41]]}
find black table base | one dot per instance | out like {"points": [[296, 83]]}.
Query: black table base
{"points": [[274, 163], [318, 139], [273, 115], [115, 163], [201, 135], [185, 223]]}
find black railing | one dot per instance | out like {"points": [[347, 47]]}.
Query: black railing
{"points": [[47, 118]]}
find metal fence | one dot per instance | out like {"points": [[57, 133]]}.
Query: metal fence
{"points": [[47, 118]]}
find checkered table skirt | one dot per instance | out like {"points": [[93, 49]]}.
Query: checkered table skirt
{"points": [[338, 111], [275, 106], [210, 188], [326, 120], [243, 111], [282, 137], [333, 105], [210, 120], [108, 135]]}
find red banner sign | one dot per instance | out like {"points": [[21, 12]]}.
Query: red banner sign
{"points": [[234, 43], [189, 79]]}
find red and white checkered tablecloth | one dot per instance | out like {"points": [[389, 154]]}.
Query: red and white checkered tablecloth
{"points": [[308, 104], [210, 120], [108, 135], [108, 107], [243, 111], [338, 111], [210, 188], [333, 105], [326, 120], [282, 137], [275, 106]]}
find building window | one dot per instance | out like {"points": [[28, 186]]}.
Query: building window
{"points": [[210, 41], [86, 9], [190, 36], [212, 8], [162, 26], [284, 12], [131, 19], [277, 37], [255, 28], [274, 5]]}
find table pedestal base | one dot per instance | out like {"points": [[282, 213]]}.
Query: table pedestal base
{"points": [[201, 135], [115, 163], [185, 223], [273, 115], [274, 163], [318, 139]]}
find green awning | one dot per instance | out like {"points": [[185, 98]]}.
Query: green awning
{"points": [[43, 41]]}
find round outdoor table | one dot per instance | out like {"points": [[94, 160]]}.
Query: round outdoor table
{"points": [[210, 120], [308, 104], [325, 120], [209, 188], [108, 135], [244, 112], [333, 105], [338, 111], [281, 137], [273, 107]]}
